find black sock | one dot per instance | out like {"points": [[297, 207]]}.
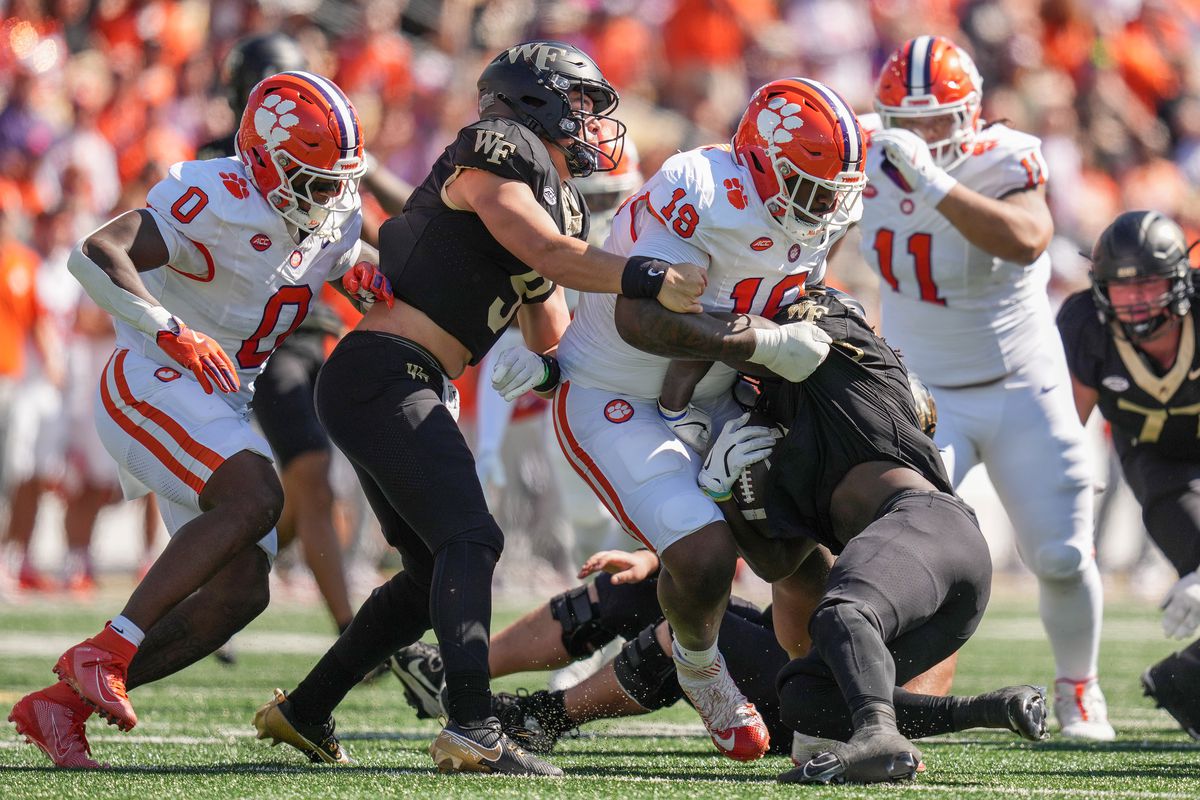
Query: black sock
{"points": [[460, 606], [396, 614], [554, 713], [921, 715]]}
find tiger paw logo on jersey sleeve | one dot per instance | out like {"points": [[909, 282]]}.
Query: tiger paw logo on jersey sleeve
{"points": [[735, 193], [273, 118], [777, 121], [236, 184]]}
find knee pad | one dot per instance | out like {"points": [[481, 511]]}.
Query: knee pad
{"points": [[582, 630], [1059, 561], [646, 673]]}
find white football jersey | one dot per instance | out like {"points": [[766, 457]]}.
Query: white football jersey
{"points": [[234, 271], [700, 207], [959, 315]]}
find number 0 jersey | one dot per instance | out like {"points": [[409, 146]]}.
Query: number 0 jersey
{"points": [[445, 261], [960, 315], [700, 207], [1147, 411], [234, 272]]}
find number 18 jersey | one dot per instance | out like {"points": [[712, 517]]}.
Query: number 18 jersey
{"points": [[701, 208], [959, 315], [234, 272]]}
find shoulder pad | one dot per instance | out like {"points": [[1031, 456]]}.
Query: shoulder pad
{"points": [[504, 148], [198, 197]]}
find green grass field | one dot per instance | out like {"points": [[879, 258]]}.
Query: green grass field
{"points": [[195, 739]]}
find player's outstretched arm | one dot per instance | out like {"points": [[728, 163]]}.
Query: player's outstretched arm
{"points": [[520, 224], [790, 351]]}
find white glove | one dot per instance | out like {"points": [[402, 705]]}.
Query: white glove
{"points": [[910, 155], [791, 351], [1181, 607], [490, 469], [691, 426], [516, 371], [738, 446]]}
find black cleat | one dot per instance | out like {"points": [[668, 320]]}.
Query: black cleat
{"points": [[535, 721], [485, 748], [419, 670], [1159, 684], [318, 742], [1024, 708], [869, 757]]}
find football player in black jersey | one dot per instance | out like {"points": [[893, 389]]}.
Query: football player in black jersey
{"points": [[1133, 349], [482, 241], [855, 472]]}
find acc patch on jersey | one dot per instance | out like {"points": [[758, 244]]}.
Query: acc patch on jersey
{"points": [[618, 411], [260, 242], [1115, 383], [166, 374], [762, 243]]}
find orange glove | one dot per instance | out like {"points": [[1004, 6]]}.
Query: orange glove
{"points": [[202, 355], [365, 282]]}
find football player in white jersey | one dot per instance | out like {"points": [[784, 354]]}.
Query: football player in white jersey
{"points": [[956, 223], [203, 284], [761, 216]]}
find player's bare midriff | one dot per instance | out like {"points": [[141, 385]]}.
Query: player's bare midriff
{"points": [[413, 324], [864, 489]]}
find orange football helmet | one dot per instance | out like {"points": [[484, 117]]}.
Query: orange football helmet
{"points": [[804, 149], [927, 78], [302, 146]]}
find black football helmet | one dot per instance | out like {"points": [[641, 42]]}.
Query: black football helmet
{"points": [[256, 57], [532, 82], [1140, 246], [926, 405]]}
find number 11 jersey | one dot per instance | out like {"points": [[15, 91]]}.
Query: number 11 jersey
{"points": [[959, 315]]}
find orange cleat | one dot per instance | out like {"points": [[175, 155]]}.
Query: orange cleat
{"points": [[30, 580], [96, 669], [733, 723], [53, 719]]}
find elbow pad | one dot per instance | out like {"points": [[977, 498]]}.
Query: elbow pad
{"points": [[112, 298]]}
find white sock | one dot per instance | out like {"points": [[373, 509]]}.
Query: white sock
{"points": [[697, 660], [1071, 613], [124, 627]]}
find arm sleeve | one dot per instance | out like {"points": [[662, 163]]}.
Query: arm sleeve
{"points": [[1078, 327]]}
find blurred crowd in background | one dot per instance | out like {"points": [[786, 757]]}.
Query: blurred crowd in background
{"points": [[99, 97]]}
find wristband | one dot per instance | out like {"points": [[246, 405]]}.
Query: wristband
{"points": [[717, 498], [643, 276], [553, 374], [937, 187]]}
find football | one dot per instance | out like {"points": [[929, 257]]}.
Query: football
{"points": [[749, 492]]}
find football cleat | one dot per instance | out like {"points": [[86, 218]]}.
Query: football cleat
{"points": [[733, 723], [534, 721], [57, 728], [1082, 711], [319, 742], [1159, 685], [419, 669], [485, 748], [96, 669], [871, 756], [806, 748], [1024, 708]]}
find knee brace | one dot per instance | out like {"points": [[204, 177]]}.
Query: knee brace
{"points": [[646, 673], [1059, 561], [582, 631]]}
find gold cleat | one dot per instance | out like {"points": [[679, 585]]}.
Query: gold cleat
{"points": [[276, 721]]}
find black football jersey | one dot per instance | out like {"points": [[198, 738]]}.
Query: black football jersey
{"points": [[856, 407], [1147, 409], [445, 261]]}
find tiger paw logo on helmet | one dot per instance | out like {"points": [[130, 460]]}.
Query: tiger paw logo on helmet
{"points": [[236, 184], [273, 118], [778, 120]]}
